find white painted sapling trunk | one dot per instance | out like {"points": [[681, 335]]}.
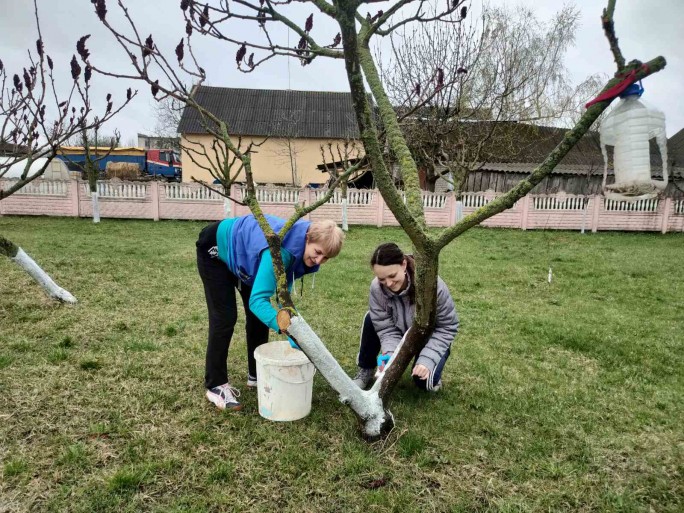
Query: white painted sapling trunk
{"points": [[345, 225], [226, 209], [366, 404], [94, 198], [29, 265]]}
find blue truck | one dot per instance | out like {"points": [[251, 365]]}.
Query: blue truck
{"points": [[158, 162]]}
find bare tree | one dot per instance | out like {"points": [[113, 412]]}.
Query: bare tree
{"points": [[288, 149], [342, 157], [357, 28], [457, 88], [93, 154], [167, 115], [35, 120]]}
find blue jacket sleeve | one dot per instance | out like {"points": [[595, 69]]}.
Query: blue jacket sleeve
{"points": [[265, 287]]}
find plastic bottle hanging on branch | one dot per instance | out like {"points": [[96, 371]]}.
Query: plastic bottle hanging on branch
{"points": [[629, 127]]}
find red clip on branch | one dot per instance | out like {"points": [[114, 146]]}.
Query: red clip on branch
{"points": [[614, 91]]}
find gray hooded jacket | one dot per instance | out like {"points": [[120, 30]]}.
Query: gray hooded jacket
{"points": [[392, 315]]}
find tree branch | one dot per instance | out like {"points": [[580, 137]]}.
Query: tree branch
{"points": [[569, 141], [609, 30]]}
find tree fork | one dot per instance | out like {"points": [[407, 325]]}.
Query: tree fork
{"points": [[352, 52]]}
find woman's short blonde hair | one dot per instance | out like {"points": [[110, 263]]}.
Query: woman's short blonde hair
{"points": [[328, 235]]}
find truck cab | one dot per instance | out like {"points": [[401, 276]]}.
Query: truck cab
{"points": [[164, 162]]}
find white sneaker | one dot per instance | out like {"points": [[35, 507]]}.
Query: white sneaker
{"points": [[251, 382], [225, 397]]}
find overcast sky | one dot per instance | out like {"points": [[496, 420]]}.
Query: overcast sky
{"points": [[645, 29]]}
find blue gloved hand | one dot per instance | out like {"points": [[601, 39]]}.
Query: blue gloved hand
{"points": [[382, 361], [293, 344]]}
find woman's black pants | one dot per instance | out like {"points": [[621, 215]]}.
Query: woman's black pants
{"points": [[219, 289]]}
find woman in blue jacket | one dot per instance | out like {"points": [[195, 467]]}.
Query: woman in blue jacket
{"points": [[233, 254]]}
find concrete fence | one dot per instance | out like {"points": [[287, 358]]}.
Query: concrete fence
{"points": [[157, 200]]}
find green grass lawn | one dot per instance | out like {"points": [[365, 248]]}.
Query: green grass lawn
{"points": [[560, 397]]}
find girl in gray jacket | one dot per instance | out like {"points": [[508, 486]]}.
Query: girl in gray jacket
{"points": [[391, 311]]}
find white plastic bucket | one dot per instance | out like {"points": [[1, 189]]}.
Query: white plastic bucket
{"points": [[284, 381]]}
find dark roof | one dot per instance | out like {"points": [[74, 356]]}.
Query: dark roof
{"points": [[675, 148], [7, 148], [275, 113], [522, 142], [506, 142], [528, 167], [515, 147], [572, 169]]}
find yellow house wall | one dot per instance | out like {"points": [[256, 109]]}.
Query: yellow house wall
{"points": [[270, 161]]}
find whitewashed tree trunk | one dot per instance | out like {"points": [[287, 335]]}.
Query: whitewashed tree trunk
{"points": [[374, 418], [345, 225], [30, 266], [459, 210], [226, 209], [94, 198]]}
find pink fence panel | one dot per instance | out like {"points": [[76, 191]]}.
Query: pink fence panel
{"points": [[127, 200], [40, 198], [157, 200], [511, 218], [190, 201], [643, 215], [564, 212], [439, 209], [276, 201], [362, 206], [676, 218]]}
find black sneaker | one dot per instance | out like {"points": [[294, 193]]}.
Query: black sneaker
{"points": [[225, 397]]}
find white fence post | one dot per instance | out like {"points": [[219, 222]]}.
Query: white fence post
{"points": [[525, 212], [154, 196], [75, 193], [380, 208], [598, 200], [667, 207]]}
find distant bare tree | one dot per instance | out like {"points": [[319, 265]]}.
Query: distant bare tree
{"points": [[35, 120], [454, 85], [167, 115], [288, 149], [336, 161]]}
